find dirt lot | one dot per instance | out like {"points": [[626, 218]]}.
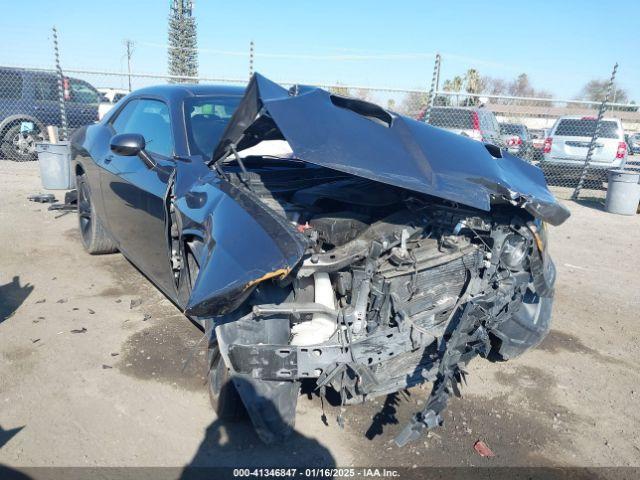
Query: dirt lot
{"points": [[128, 387]]}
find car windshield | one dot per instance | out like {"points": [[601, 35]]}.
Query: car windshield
{"points": [[451, 118], [585, 127], [511, 129], [206, 119]]}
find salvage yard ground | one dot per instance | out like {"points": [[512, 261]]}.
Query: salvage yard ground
{"points": [[98, 368]]}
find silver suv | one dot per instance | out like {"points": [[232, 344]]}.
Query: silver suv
{"points": [[568, 143], [477, 123]]}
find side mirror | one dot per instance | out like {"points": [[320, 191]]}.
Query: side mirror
{"points": [[131, 144]]}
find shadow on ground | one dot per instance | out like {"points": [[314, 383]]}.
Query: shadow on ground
{"points": [[12, 295], [228, 443]]}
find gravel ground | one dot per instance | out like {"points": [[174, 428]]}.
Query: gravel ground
{"points": [[98, 368]]}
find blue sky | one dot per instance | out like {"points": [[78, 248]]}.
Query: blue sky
{"points": [[561, 45]]}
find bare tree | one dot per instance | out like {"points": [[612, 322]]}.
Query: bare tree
{"points": [[521, 86], [595, 91], [494, 86], [413, 104]]}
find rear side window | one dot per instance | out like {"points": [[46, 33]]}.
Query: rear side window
{"points": [[10, 85], [45, 88], [149, 118], [488, 122], [451, 118], [585, 127], [82, 92]]}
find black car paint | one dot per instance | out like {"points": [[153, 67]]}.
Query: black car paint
{"points": [[133, 205], [325, 130], [238, 241]]}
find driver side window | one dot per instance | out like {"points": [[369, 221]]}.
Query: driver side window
{"points": [[149, 118]]}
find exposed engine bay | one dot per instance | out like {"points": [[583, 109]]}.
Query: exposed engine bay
{"points": [[395, 288]]}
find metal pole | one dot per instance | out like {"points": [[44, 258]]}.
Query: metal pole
{"points": [[438, 74], [63, 110], [596, 134], [431, 96], [251, 55], [129, 44]]}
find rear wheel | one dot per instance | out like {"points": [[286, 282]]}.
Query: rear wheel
{"points": [[95, 237], [19, 146]]}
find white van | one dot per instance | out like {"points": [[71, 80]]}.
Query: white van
{"points": [[568, 143]]}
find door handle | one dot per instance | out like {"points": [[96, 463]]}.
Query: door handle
{"points": [[108, 159]]}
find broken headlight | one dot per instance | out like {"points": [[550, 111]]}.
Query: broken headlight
{"points": [[514, 252]]}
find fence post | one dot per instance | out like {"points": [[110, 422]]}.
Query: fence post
{"points": [[63, 110], [596, 134], [251, 46], [432, 90]]}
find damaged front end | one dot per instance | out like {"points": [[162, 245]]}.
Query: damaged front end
{"points": [[366, 258]]}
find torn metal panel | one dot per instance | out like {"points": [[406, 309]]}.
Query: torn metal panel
{"points": [[243, 242], [365, 140]]}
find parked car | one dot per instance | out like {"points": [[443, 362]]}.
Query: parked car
{"points": [[320, 237], [476, 123], [537, 142], [110, 96], [568, 143], [516, 138], [633, 142], [29, 102]]}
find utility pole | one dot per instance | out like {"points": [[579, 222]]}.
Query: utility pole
{"points": [[129, 45]]}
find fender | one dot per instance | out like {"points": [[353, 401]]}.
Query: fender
{"points": [[229, 223]]}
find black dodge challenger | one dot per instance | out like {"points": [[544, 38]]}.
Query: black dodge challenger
{"points": [[314, 236]]}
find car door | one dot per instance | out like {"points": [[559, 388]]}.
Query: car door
{"points": [[134, 194], [46, 101]]}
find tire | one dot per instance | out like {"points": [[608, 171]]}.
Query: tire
{"points": [[95, 238], [224, 396], [17, 146]]}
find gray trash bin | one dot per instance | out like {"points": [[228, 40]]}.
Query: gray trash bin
{"points": [[623, 192], [55, 165]]}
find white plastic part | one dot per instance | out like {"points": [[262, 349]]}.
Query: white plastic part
{"points": [[320, 328]]}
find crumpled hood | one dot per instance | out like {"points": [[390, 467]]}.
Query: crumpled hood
{"points": [[362, 139]]}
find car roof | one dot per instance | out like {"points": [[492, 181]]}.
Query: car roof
{"points": [[39, 73], [184, 90], [460, 108], [586, 117]]}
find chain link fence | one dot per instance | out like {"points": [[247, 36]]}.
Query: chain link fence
{"points": [[575, 143], [567, 139]]}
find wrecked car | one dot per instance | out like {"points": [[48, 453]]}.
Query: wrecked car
{"points": [[320, 237]]}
